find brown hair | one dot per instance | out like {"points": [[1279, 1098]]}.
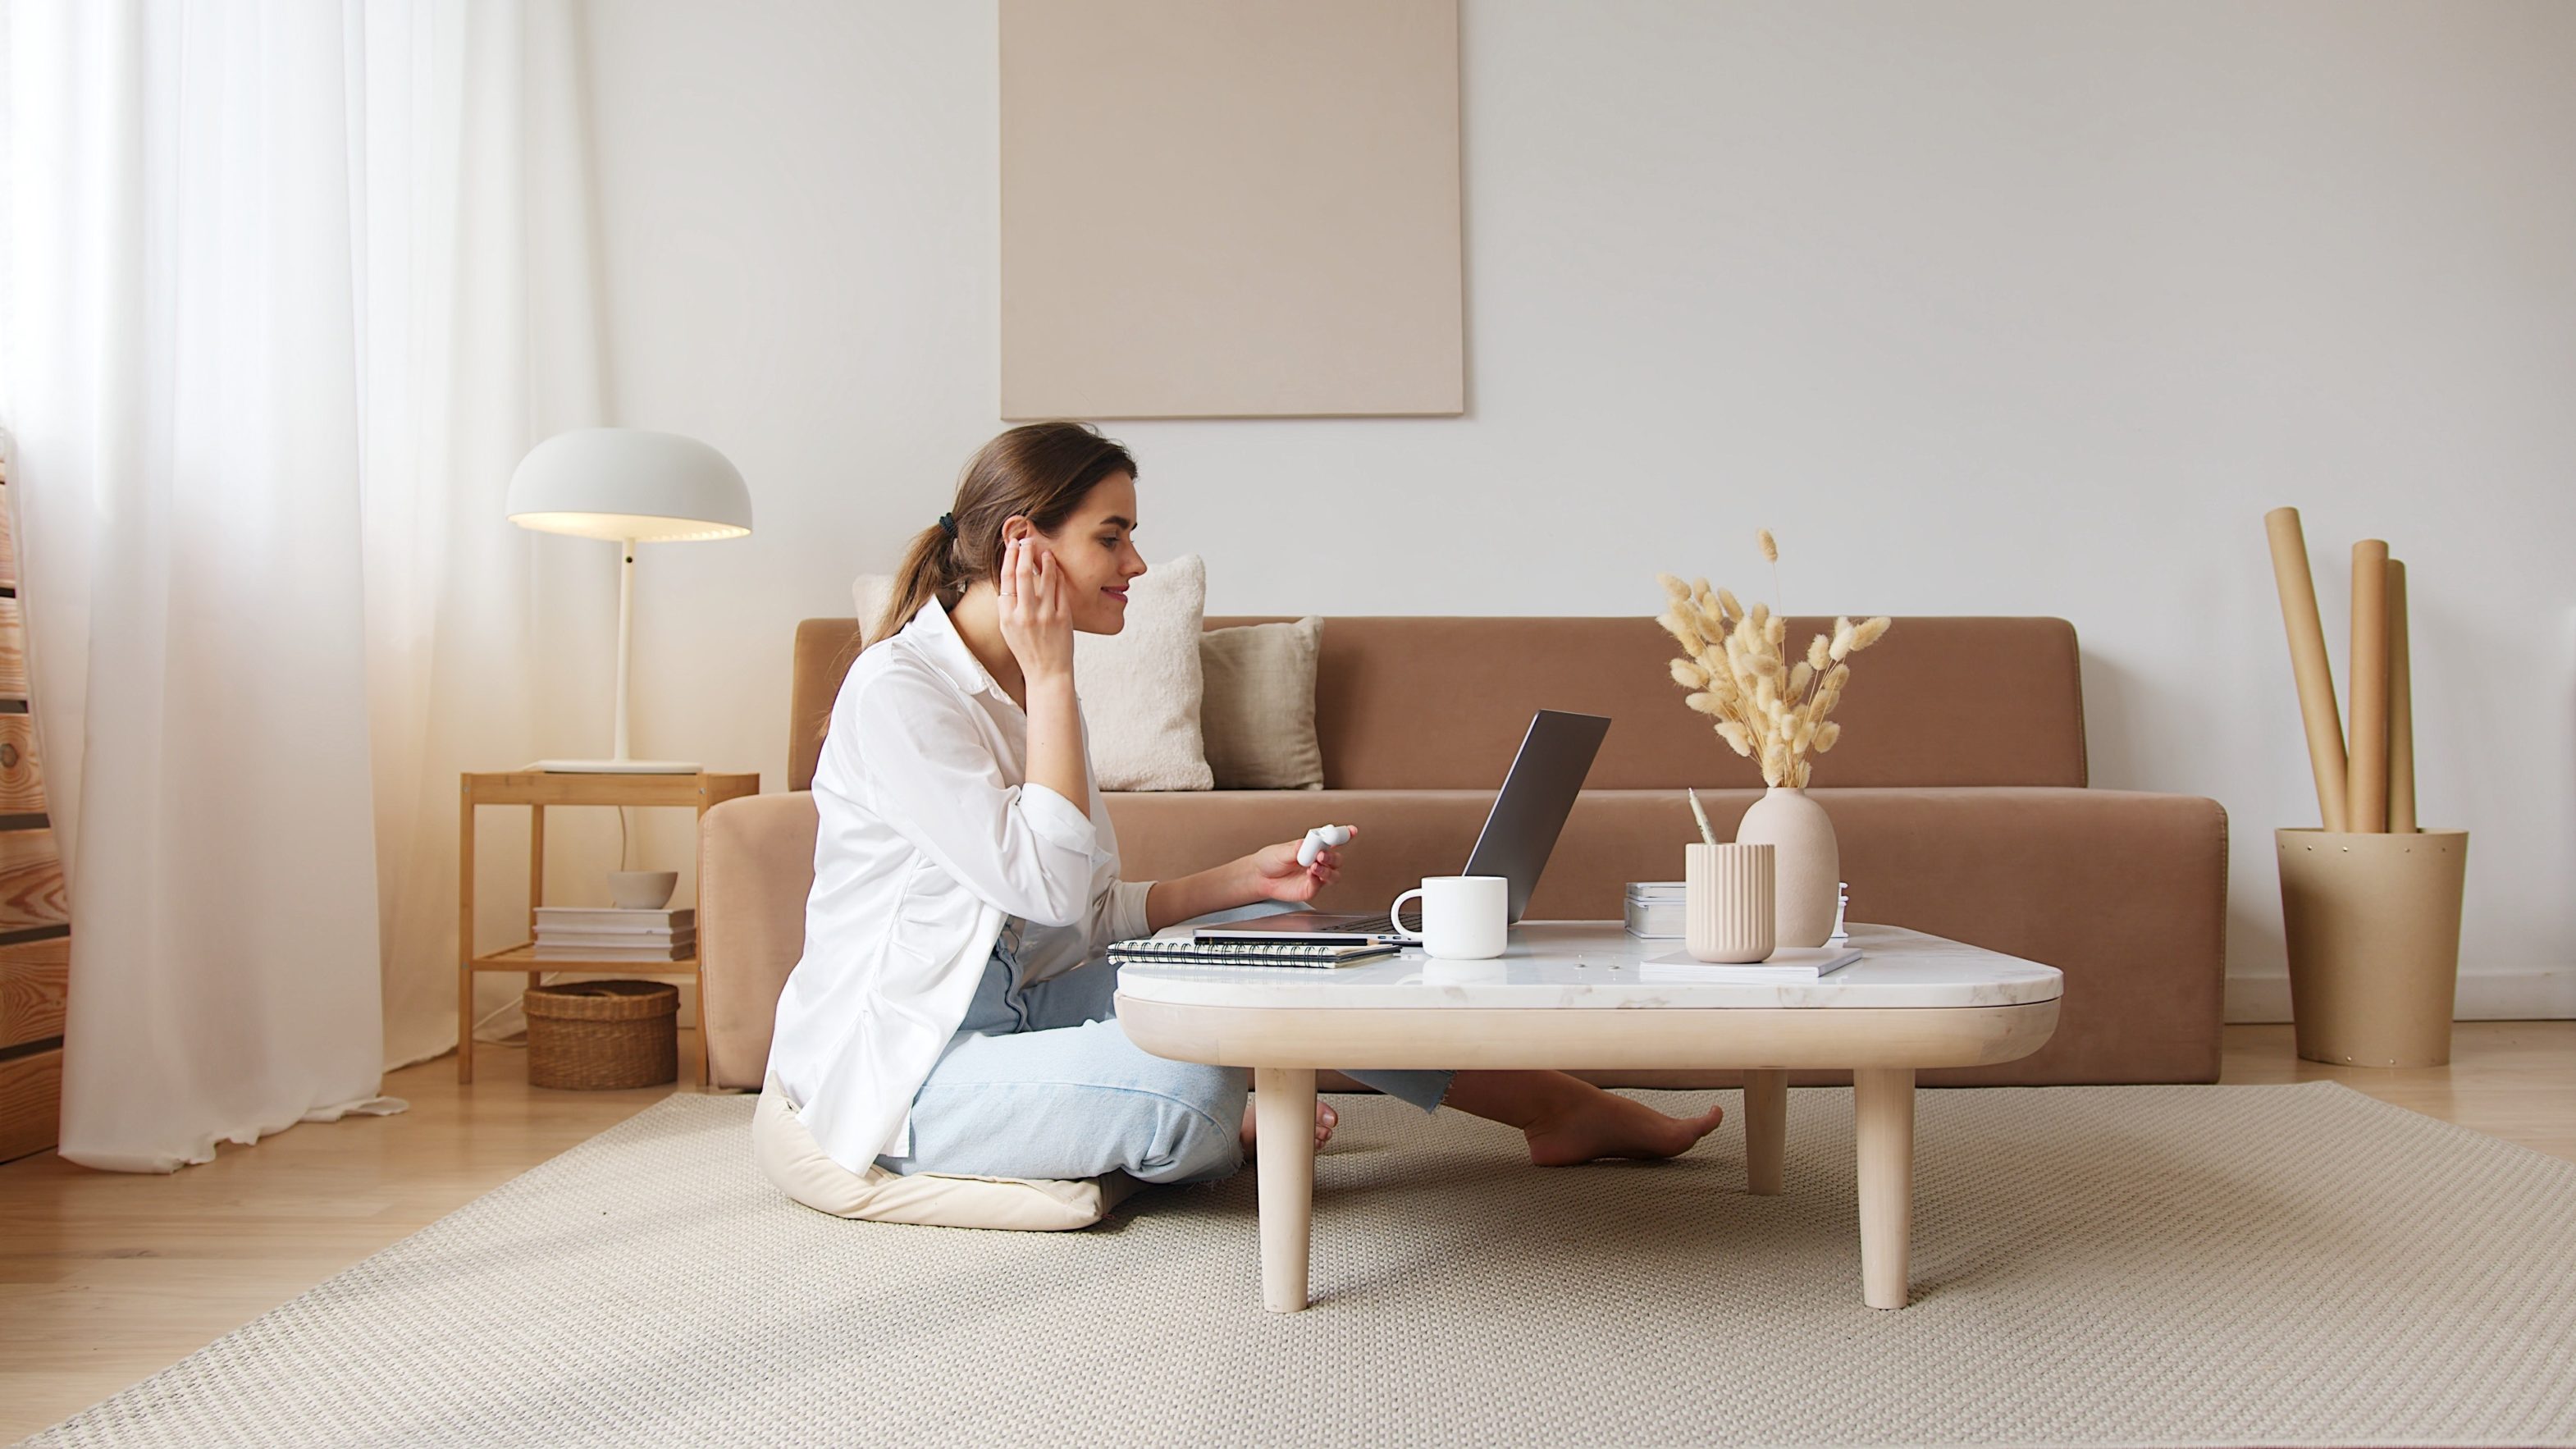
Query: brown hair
{"points": [[1039, 471]]}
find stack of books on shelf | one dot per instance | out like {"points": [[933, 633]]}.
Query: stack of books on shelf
{"points": [[609, 933], [1655, 910]]}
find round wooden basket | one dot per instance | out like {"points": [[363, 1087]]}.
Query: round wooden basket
{"points": [[596, 1035]]}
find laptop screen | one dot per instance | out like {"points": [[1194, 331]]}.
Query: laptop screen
{"points": [[1537, 796]]}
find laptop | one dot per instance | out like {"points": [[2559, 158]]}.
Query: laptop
{"points": [[1520, 831]]}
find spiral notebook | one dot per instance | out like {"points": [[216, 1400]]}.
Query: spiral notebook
{"points": [[1181, 951]]}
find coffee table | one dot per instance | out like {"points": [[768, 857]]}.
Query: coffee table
{"points": [[1577, 995]]}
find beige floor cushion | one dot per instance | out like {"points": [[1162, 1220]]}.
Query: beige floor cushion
{"points": [[789, 1157]]}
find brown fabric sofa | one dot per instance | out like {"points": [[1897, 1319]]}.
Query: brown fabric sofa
{"points": [[1958, 795]]}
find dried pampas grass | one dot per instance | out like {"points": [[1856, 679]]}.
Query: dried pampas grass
{"points": [[1767, 705]]}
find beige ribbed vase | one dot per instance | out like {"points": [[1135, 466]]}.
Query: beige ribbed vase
{"points": [[1728, 901], [1809, 869]]}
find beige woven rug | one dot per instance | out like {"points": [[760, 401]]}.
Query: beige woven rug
{"points": [[2141, 1265]]}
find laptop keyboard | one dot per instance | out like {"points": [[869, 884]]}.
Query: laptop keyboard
{"points": [[1367, 921]]}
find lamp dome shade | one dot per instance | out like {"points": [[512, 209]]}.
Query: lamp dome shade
{"points": [[622, 483]]}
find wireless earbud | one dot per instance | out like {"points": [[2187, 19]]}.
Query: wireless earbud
{"points": [[1320, 839]]}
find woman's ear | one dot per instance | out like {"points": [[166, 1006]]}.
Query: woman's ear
{"points": [[1015, 528]]}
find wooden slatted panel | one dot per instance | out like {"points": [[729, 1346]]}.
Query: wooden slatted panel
{"points": [[34, 975], [22, 788], [33, 978], [8, 545], [13, 652], [31, 882], [31, 1096]]}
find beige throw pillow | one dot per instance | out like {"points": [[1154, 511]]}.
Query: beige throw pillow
{"points": [[1257, 717], [1140, 687]]}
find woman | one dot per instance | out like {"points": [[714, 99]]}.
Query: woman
{"points": [[952, 1012]]}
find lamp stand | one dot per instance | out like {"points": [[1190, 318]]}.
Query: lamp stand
{"points": [[620, 764]]}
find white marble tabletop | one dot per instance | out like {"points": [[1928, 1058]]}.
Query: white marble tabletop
{"points": [[1561, 964]]}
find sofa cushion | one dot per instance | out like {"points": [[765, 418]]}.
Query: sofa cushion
{"points": [[1258, 712], [1141, 686], [1441, 703]]}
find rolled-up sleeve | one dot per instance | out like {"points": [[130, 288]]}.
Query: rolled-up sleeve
{"points": [[1119, 915], [1022, 847]]}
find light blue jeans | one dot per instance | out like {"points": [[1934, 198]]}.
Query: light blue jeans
{"points": [[1040, 1081]]}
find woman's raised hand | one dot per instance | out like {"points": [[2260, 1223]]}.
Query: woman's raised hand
{"points": [[1277, 876], [1036, 616]]}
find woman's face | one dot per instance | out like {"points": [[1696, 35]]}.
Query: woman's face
{"points": [[1097, 548]]}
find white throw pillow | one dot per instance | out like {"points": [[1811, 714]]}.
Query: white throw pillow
{"points": [[788, 1156], [1258, 713], [1140, 687], [868, 594]]}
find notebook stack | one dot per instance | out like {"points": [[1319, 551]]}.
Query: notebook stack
{"points": [[1655, 910], [1186, 951], [608, 933]]}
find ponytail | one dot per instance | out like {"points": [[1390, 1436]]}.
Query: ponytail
{"points": [[929, 570]]}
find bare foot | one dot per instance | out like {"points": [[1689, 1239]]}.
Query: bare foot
{"points": [[1326, 1119], [1609, 1125]]}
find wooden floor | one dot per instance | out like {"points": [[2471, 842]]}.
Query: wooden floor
{"points": [[106, 1278]]}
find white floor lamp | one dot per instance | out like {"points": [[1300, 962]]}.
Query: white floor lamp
{"points": [[628, 487]]}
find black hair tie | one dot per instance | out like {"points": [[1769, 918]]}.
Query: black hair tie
{"points": [[948, 524]]}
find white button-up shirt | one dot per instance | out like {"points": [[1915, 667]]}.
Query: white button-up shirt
{"points": [[931, 840]]}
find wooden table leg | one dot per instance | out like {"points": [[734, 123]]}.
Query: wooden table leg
{"points": [[465, 938], [1283, 1100], [1766, 1130], [698, 872], [536, 878], [1883, 1103]]}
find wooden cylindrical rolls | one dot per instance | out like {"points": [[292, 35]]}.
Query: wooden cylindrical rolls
{"points": [[2366, 798], [2307, 633], [2401, 709]]}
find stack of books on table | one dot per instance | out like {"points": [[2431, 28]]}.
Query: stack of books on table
{"points": [[609, 933], [1655, 910]]}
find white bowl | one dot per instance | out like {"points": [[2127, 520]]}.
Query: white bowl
{"points": [[642, 890]]}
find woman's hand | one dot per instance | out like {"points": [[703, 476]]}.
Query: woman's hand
{"points": [[1277, 876], [1268, 874], [1036, 617]]}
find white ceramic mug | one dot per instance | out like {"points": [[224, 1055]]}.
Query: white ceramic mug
{"points": [[1464, 917]]}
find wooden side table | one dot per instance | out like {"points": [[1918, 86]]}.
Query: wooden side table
{"points": [[537, 790]]}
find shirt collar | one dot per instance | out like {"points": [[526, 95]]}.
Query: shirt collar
{"points": [[939, 641]]}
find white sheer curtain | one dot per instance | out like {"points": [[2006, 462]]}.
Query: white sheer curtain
{"points": [[279, 321]]}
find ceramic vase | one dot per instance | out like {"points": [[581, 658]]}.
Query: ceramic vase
{"points": [[1806, 864]]}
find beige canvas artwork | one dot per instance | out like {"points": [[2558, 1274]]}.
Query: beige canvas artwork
{"points": [[1230, 210]]}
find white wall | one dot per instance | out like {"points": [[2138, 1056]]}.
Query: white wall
{"points": [[2013, 308]]}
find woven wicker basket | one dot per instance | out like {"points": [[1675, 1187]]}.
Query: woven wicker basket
{"points": [[595, 1035]]}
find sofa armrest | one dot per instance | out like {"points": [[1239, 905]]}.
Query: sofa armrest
{"points": [[755, 868]]}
